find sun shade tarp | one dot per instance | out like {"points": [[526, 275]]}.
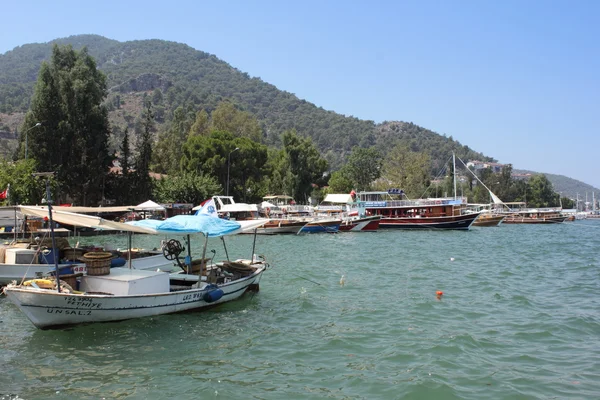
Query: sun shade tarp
{"points": [[190, 224]]}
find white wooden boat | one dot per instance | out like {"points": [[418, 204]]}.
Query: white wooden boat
{"points": [[126, 293]]}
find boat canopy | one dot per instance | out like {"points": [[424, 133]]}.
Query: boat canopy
{"points": [[145, 206], [179, 224], [205, 224], [337, 199], [82, 220]]}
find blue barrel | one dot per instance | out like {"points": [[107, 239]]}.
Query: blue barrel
{"points": [[117, 262], [47, 256]]}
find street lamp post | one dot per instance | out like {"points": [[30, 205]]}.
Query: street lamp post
{"points": [[35, 126], [229, 162]]}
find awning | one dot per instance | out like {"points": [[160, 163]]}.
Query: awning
{"points": [[81, 220]]}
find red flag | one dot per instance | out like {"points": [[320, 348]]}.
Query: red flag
{"points": [[4, 195]]}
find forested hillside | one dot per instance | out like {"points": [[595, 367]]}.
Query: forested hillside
{"points": [[186, 76], [175, 75]]}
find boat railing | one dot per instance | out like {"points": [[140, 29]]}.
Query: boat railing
{"points": [[416, 203]]}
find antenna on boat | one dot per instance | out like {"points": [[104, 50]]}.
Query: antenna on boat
{"points": [[47, 175]]}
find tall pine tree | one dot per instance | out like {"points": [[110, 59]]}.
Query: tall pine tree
{"points": [[143, 182], [73, 137]]}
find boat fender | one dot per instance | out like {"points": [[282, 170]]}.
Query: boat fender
{"points": [[213, 294]]}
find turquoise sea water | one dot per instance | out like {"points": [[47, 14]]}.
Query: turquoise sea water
{"points": [[519, 319]]}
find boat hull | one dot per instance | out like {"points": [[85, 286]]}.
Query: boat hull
{"points": [[48, 309], [528, 220], [321, 226], [366, 224], [458, 222], [280, 226], [491, 220]]}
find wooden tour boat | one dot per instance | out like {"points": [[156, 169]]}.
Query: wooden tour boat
{"points": [[435, 213]]}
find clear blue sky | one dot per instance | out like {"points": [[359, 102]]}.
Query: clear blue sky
{"points": [[516, 80]]}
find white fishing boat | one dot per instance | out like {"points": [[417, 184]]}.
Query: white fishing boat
{"points": [[114, 294]]}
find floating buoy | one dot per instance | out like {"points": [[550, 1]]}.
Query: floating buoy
{"points": [[439, 293], [451, 258]]}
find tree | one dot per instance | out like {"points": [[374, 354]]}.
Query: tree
{"points": [[239, 123], [142, 180], [541, 193], [119, 186], [278, 178], [210, 156], [407, 170], [340, 182], [125, 153], [186, 188], [24, 187], [363, 167], [305, 163], [170, 142], [201, 125], [73, 138]]}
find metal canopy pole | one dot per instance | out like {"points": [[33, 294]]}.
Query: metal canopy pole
{"points": [[188, 259], [203, 257], [253, 247], [225, 247], [15, 227], [129, 235]]}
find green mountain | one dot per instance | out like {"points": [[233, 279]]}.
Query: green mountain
{"points": [[175, 74]]}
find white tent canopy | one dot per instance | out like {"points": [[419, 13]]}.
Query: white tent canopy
{"points": [[338, 198], [149, 206], [266, 204]]}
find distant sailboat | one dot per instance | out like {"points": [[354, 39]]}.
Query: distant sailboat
{"points": [[491, 214]]}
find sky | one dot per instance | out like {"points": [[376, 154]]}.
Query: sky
{"points": [[516, 80]]}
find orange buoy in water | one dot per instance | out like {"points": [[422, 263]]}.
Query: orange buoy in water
{"points": [[439, 293]]}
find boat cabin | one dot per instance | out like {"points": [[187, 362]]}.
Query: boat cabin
{"points": [[229, 209]]}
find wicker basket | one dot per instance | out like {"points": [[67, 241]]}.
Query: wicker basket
{"points": [[97, 263], [73, 254], [71, 279]]}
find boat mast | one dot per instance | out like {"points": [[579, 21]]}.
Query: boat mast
{"points": [[47, 175], [454, 172]]}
